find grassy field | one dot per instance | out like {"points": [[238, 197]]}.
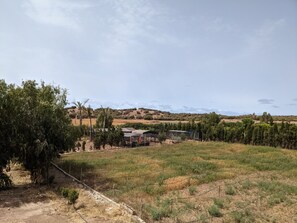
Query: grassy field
{"points": [[195, 181]]}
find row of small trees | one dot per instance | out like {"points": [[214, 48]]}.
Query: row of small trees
{"points": [[34, 126], [103, 132], [211, 128]]}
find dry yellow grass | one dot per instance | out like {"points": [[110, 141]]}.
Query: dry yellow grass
{"points": [[176, 183], [117, 122]]}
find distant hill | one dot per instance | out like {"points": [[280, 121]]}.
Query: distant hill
{"points": [[153, 114]]}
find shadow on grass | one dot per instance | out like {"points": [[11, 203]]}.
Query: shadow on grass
{"points": [[87, 174]]}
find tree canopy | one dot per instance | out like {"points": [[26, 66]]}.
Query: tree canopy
{"points": [[34, 126], [104, 119]]}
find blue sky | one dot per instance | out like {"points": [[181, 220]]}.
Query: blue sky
{"points": [[228, 56]]}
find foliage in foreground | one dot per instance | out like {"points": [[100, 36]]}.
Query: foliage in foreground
{"points": [[70, 194], [34, 126], [5, 182], [214, 211]]}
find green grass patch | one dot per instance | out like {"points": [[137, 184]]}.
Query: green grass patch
{"points": [[214, 211], [148, 172], [219, 202], [277, 192], [243, 216], [163, 209], [229, 190]]}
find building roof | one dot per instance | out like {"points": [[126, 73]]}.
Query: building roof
{"points": [[140, 131], [127, 130], [178, 131], [128, 135]]}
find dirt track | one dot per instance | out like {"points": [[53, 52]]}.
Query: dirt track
{"points": [[27, 203]]}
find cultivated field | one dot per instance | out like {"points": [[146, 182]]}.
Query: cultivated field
{"points": [[195, 181]]}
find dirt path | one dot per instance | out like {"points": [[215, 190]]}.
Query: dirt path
{"points": [[27, 203]]}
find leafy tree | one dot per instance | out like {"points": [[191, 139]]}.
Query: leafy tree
{"points": [[104, 119], [212, 119], [266, 118], [118, 136], [89, 112], [162, 137], [80, 106], [34, 126]]}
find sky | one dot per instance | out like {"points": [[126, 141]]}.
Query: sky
{"points": [[228, 56]]}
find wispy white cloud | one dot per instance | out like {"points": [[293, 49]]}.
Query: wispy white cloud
{"points": [[61, 13], [263, 36], [132, 24]]}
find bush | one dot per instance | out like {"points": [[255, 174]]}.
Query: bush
{"points": [[73, 196], [243, 216], [5, 182], [70, 194], [215, 211], [162, 137], [230, 190], [247, 185], [218, 202], [192, 190], [148, 117], [163, 210]]}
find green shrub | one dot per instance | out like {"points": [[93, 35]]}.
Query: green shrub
{"points": [[5, 182], [70, 194], [215, 211], [219, 202], [247, 184], [162, 210], [73, 196], [243, 216], [230, 190], [192, 190], [203, 218]]}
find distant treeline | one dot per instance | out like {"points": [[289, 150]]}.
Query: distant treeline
{"points": [[152, 114], [211, 128]]}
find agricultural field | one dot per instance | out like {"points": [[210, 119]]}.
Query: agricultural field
{"points": [[195, 181]]}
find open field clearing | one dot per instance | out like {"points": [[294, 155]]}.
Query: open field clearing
{"points": [[195, 181]]}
